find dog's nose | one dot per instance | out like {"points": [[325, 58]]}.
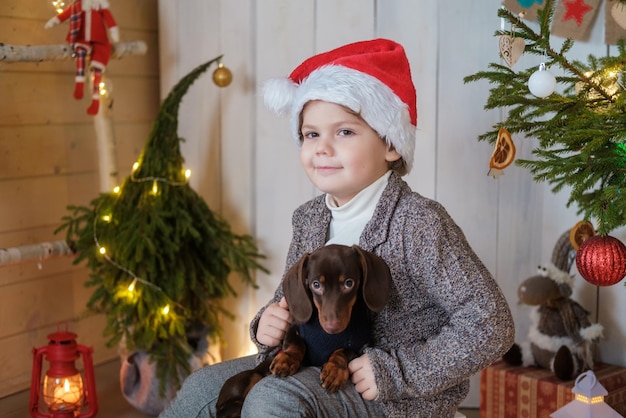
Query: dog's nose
{"points": [[332, 327]]}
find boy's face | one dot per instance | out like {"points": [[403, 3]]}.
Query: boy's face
{"points": [[340, 153]]}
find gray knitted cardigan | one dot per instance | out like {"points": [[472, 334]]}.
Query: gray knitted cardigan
{"points": [[446, 318]]}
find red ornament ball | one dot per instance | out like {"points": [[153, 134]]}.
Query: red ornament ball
{"points": [[601, 260]]}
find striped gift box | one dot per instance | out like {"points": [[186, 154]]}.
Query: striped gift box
{"points": [[531, 392]]}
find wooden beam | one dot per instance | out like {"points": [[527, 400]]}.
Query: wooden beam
{"points": [[34, 252], [39, 53]]}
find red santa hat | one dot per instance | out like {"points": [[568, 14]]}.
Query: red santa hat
{"points": [[371, 78]]}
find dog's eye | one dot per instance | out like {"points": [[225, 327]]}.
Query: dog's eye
{"points": [[317, 285], [348, 284]]}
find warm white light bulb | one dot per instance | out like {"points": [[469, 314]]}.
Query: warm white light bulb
{"points": [[106, 218], [102, 250], [135, 165], [155, 187], [58, 5], [166, 310], [187, 173], [131, 286], [116, 189]]}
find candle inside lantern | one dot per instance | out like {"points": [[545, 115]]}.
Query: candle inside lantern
{"points": [[67, 393], [63, 394]]}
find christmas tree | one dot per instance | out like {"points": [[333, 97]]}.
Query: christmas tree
{"points": [[160, 259], [580, 128]]}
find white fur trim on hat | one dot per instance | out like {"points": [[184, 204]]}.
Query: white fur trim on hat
{"points": [[362, 93], [279, 95]]}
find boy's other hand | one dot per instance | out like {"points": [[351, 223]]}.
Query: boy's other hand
{"points": [[362, 376], [274, 323]]}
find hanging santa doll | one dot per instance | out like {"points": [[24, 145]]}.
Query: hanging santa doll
{"points": [[87, 35]]}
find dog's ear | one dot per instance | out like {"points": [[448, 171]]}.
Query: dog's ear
{"points": [[376, 279], [296, 291]]}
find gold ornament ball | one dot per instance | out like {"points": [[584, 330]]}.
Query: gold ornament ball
{"points": [[222, 76]]}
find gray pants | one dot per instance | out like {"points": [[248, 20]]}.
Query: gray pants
{"points": [[300, 395]]}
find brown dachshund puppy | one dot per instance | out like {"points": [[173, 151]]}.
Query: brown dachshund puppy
{"points": [[330, 293]]}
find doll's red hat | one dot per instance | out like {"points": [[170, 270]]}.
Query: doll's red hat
{"points": [[372, 78]]}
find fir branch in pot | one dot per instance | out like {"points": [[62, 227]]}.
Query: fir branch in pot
{"points": [[160, 259]]}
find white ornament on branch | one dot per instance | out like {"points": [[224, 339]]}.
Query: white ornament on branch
{"points": [[542, 83]]}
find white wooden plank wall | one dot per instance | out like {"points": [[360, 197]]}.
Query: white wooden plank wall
{"points": [[513, 223]]}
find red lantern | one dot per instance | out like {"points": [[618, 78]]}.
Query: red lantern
{"points": [[63, 390], [601, 260]]}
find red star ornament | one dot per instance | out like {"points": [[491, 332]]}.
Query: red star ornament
{"points": [[576, 9]]}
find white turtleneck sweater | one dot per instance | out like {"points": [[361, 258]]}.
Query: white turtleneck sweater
{"points": [[348, 220]]}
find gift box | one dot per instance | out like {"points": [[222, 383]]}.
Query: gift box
{"points": [[532, 392]]}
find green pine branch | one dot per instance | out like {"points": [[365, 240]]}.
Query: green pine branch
{"points": [[168, 257], [580, 129]]}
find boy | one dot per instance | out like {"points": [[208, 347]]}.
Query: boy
{"points": [[353, 113]]}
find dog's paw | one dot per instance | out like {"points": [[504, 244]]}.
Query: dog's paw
{"points": [[334, 376], [284, 364]]}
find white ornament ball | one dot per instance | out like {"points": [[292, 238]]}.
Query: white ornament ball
{"points": [[542, 83]]}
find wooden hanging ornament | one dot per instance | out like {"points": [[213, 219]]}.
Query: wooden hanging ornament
{"points": [[503, 154], [511, 49]]}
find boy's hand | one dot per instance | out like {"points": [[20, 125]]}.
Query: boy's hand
{"points": [[362, 376], [274, 323]]}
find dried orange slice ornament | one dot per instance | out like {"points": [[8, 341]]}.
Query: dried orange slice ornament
{"points": [[580, 233], [503, 154]]}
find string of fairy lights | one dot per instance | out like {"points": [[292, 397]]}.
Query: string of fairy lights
{"points": [[131, 290], [58, 5], [155, 180]]}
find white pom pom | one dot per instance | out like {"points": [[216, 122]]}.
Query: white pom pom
{"points": [[279, 94]]}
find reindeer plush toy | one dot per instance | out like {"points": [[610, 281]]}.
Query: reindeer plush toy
{"points": [[560, 337]]}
